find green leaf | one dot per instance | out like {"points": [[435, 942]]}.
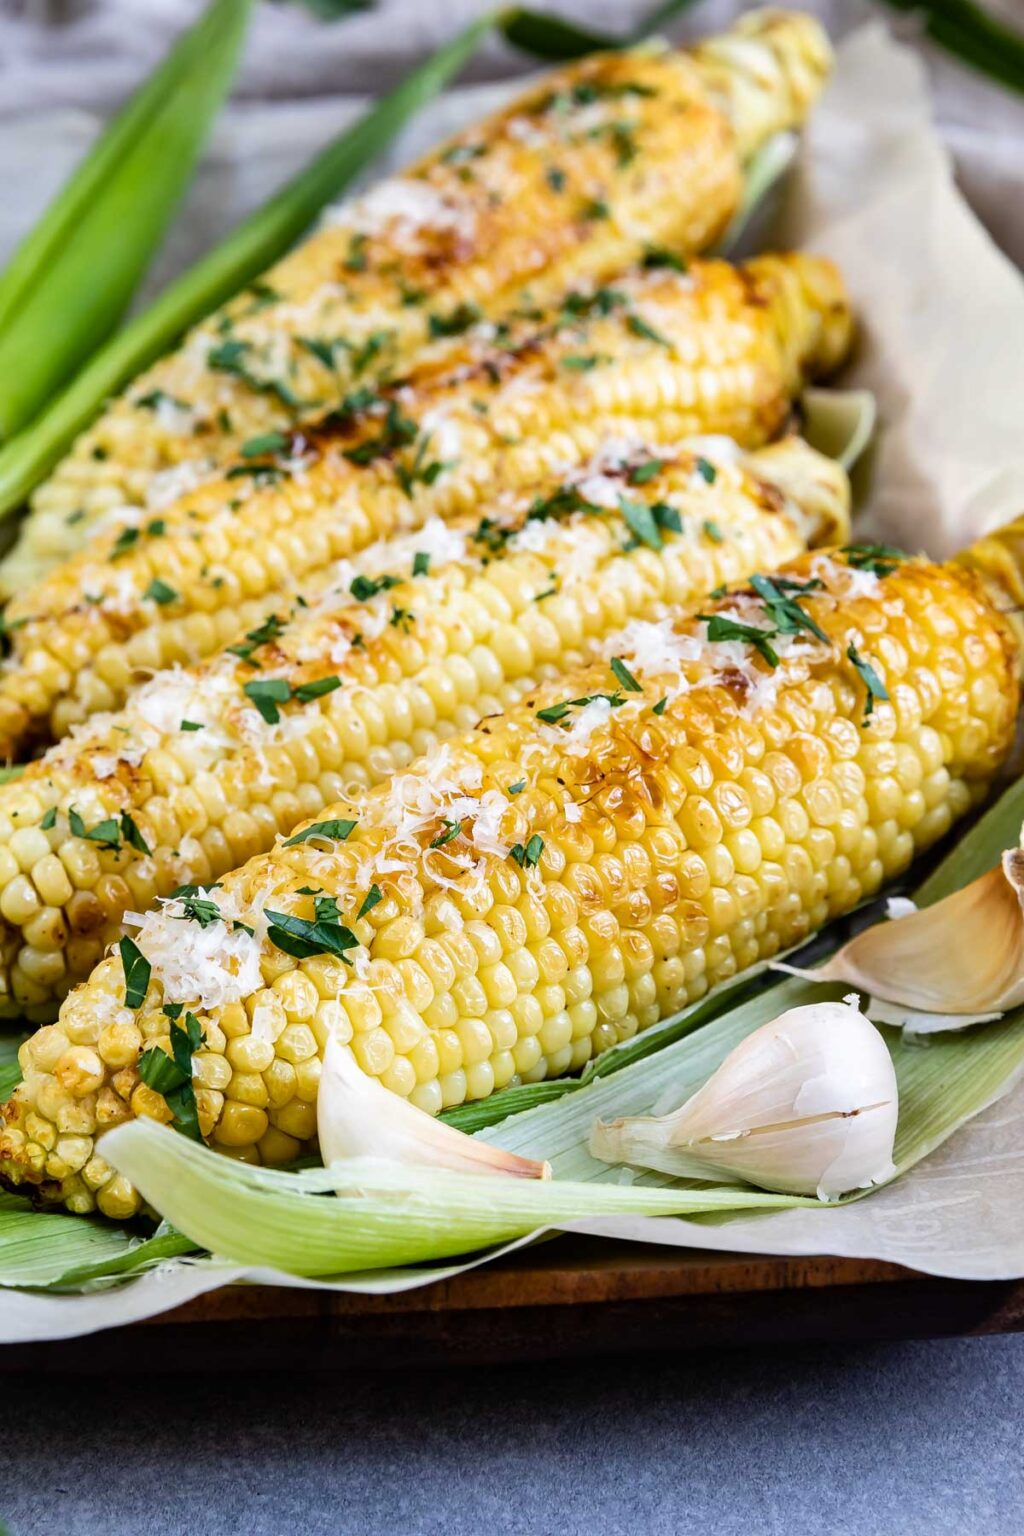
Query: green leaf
{"points": [[137, 971], [336, 830], [552, 37], [248, 251], [159, 592], [267, 693], [302, 938], [972, 35], [73, 278], [382, 1214]]}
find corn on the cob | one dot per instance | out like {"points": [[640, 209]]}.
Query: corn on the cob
{"points": [[604, 158], [665, 354], [547, 884], [202, 769]]}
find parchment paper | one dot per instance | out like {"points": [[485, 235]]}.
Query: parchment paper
{"points": [[942, 314]]}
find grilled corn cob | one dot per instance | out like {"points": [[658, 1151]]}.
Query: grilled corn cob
{"points": [[666, 354], [549, 883], [202, 769], [603, 159]]}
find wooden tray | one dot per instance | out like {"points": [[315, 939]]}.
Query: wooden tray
{"points": [[573, 1296]]}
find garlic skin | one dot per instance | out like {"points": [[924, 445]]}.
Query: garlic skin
{"points": [[807, 1104], [962, 958], [357, 1117]]}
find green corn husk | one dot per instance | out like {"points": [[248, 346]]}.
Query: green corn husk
{"points": [[554, 38], [248, 251], [73, 277], [964, 29], [383, 1214]]}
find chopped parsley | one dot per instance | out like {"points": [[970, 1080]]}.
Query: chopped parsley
{"points": [[879, 559], [323, 351], [640, 474], [363, 588], [137, 971], [191, 725], [372, 899], [336, 830], [660, 707], [126, 540], [131, 834], [712, 531], [171, 1075], [639, 327], [306, 692], [706, 470], [456, 322], [876, 689], [355, 261], [267, 631], [159, 592], [451, 831], [640, 521], [107, 833], [557, 712], [722, 628], [267, 694], [657, 256], [517, 788], [421, 563], [397, 431], [624, 677], [527, 855], [785, 612], [265, 443], [324, 935], [555, 178], [50, 819]]}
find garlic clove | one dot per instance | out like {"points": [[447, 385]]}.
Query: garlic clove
{"points": [[962, 956], [807, 1104], [914, 1024], [357, 1117]]}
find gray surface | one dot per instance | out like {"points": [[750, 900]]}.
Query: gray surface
{"points": [[900, 1439]]}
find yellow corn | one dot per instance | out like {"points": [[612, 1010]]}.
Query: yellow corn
{"points": [[558, 878], [420, 636], [662, 354], [570, 183]]}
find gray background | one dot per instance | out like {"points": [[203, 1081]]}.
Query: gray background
{"points": [[913, 1438], [909, 1438]]}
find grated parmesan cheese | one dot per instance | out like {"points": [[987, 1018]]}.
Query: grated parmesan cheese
{"points": [[211, 966], [405, 207]]}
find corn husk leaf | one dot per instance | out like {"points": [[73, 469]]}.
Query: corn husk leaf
{"points": [[840, 423], [248, 251], [73, 277], [557, 39], [383, 1213]]}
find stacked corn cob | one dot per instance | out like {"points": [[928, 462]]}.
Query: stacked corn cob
{"points": [[540, 887], [419, 636], [660, 353], [607, 158]]}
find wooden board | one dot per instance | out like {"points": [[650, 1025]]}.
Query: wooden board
{"points": [[573, 1296]]}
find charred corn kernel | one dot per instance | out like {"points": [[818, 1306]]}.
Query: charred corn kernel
{"points": [[601, 160], [607, 784], [141, 776], [732, 348]]}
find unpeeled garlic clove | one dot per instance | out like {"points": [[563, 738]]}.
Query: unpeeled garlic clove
{"points": [[963, 957], [805, 1105], [357, 1117]]}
